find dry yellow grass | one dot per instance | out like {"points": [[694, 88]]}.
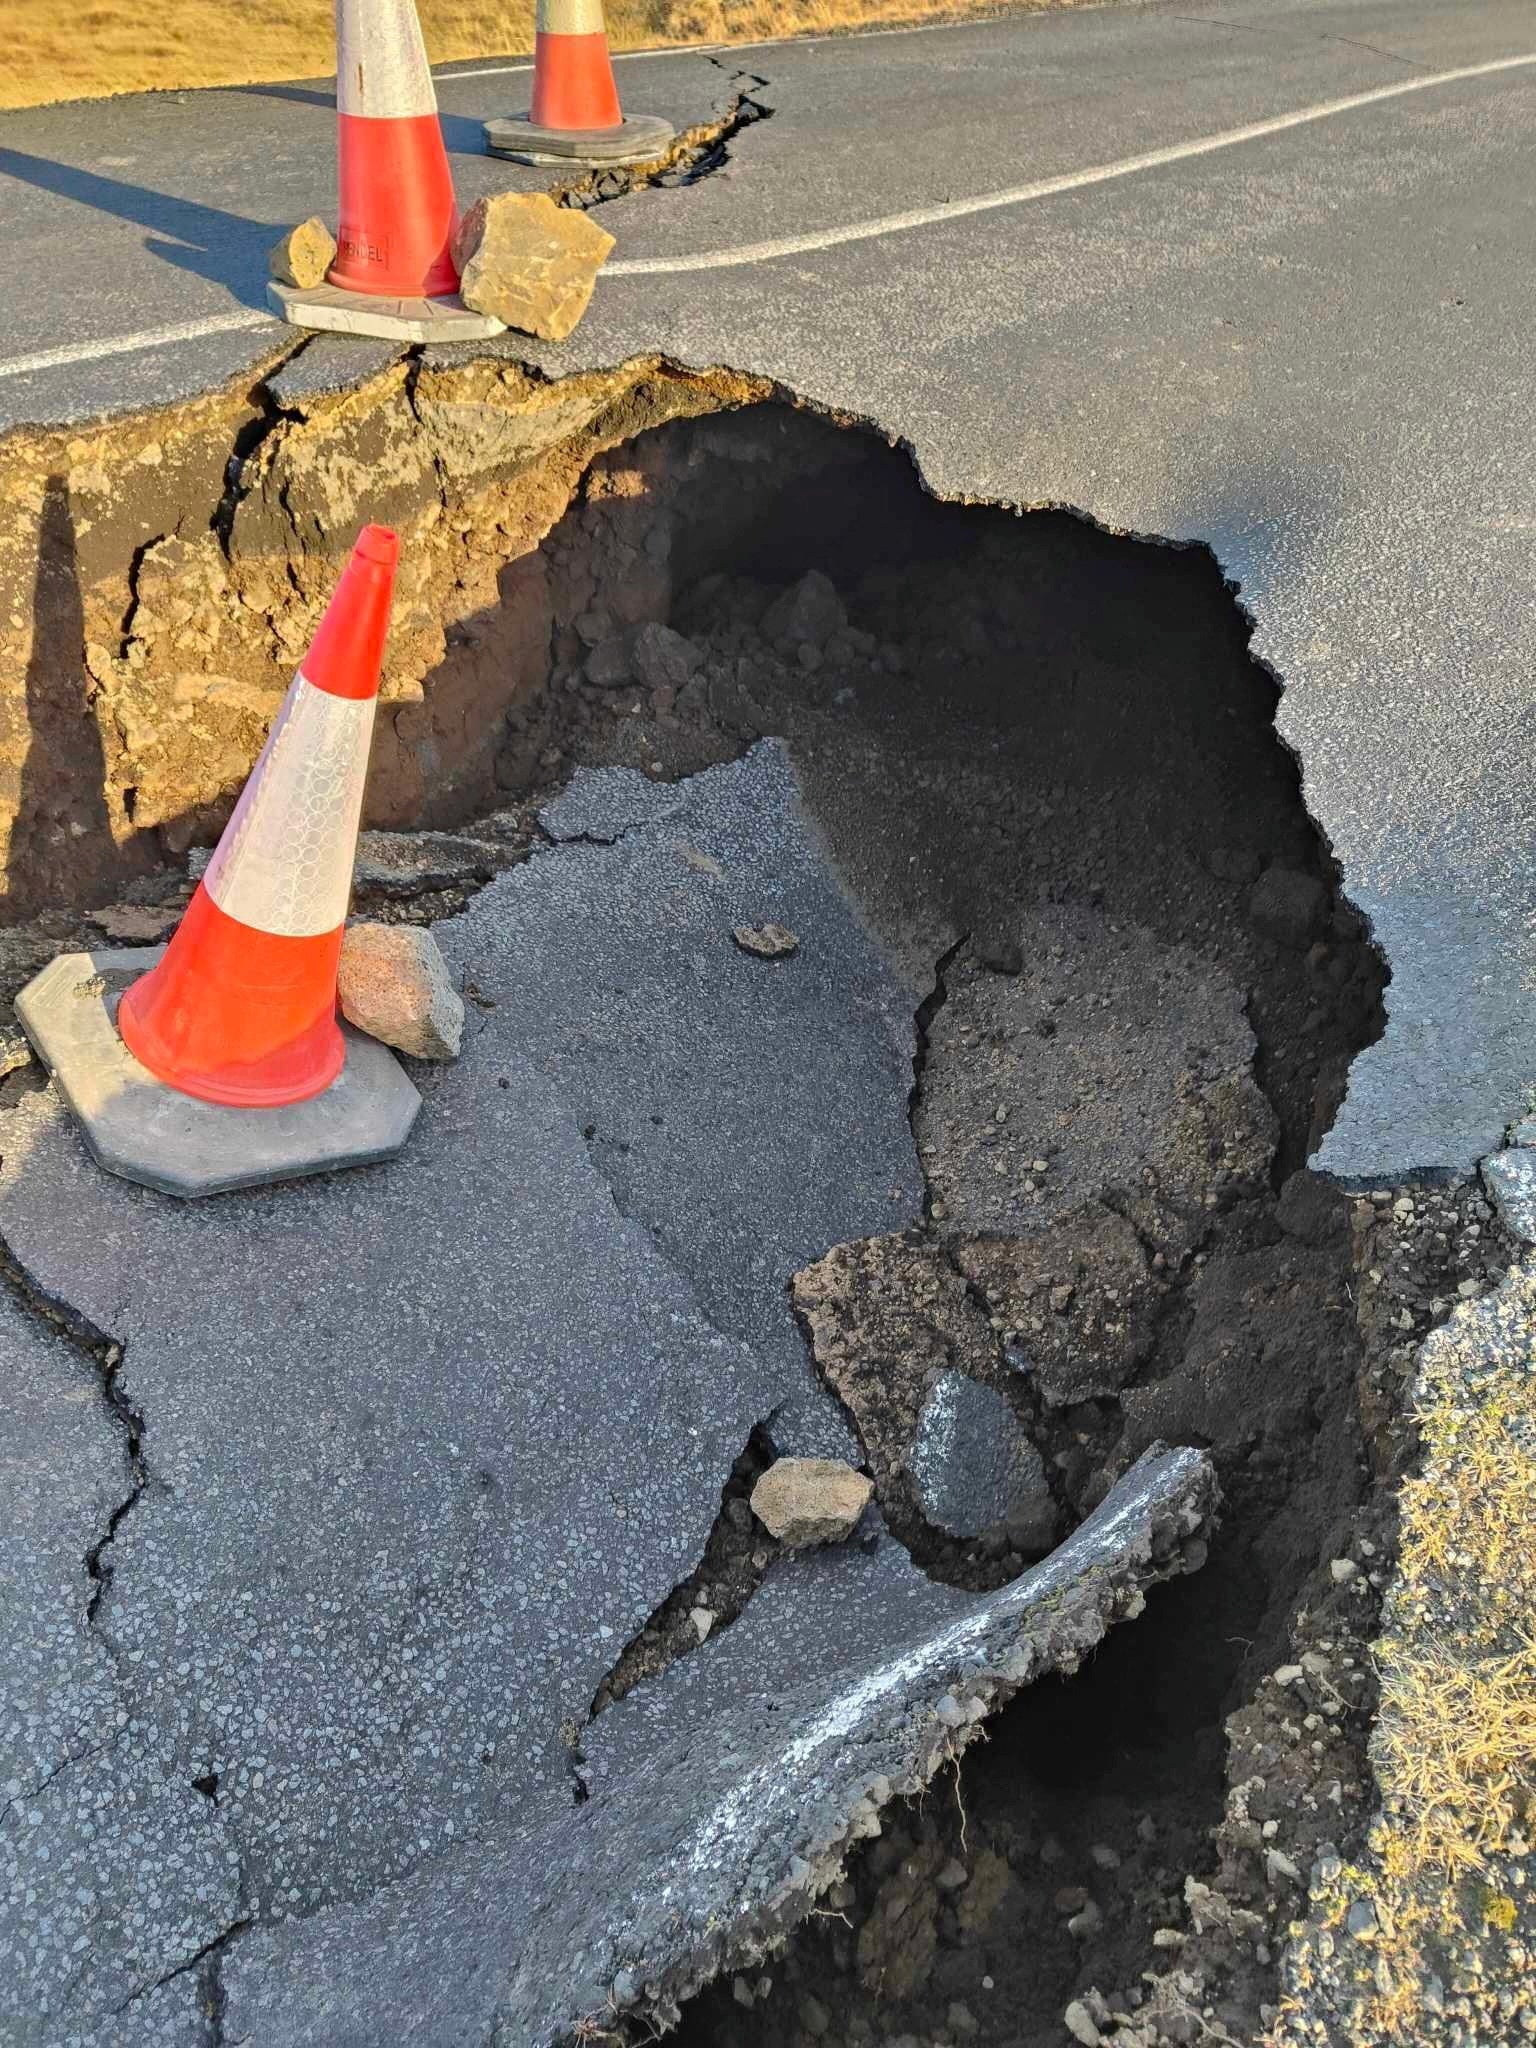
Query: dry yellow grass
{"points": [[57, 53], [1455, 1748]]}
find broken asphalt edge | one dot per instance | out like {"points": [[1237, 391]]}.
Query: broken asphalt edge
{"points": [[526, 1948]]}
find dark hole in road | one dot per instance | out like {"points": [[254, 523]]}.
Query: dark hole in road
{"points": [[1043, 756], [1044, 752]]}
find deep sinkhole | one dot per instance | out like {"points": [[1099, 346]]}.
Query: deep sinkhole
{"points": [[1045, 766]]}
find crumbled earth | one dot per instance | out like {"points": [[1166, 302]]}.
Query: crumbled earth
{"points": [[1124, 1846], [888, 1321]]}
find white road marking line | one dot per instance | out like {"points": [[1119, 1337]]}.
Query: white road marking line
{"points": [[1045, 188], [125, 344], [855, 231]]}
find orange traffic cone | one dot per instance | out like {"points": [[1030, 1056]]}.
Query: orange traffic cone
{"points": [[576, 117], [242, 1007], [394, 272]]}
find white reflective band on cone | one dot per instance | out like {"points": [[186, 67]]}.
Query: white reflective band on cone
{"points": [[381, 63], [570, 17], [285, 862]]}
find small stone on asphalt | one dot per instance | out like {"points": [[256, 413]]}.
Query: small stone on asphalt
{"points": [[804, 1501], [767, 941]]}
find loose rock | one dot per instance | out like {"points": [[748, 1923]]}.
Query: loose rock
{"points": [[393, 983], [304, 255], [662, 659], [528, 262], [767, 941], [609, 666], [803, 1501], [808, 613]]}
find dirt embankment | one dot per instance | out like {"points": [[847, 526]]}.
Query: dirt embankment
{"points": [[117, 48]]}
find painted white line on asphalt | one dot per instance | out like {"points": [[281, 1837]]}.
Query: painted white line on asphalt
{"points": [[125, 344], [856, 231], [1045, 188]]}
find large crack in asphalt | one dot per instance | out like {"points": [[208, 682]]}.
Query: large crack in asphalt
{"points": [[696, 153]]}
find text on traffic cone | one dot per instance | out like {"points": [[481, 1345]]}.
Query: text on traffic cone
{"points": [[396, 211]]}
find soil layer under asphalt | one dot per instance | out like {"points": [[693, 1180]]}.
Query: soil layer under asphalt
{"points": [[1047, 771]]}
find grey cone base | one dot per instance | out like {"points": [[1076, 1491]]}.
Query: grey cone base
{"points": [[638, 140], [327, 306], [137, 1127]]}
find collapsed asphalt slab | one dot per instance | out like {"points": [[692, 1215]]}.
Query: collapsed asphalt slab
{"points": [[351, 1491], [737, 1787], [421, 1447]]}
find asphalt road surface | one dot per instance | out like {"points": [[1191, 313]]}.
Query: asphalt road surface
{"points": [[390, 1473], [1254, 274]]}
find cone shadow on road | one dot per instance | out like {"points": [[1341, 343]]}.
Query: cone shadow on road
{"points": [[62, 828], [206, 240], [461, 136]]}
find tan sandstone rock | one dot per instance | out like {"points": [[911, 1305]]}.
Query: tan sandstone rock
{"points": [[304, 254], [810, 1500], [394, 984], [529, 262]]}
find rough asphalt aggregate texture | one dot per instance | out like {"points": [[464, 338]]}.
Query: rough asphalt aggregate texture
{"points": [[406, 1455]]}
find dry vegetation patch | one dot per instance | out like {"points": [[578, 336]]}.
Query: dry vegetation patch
{"points": [[1433, 1935], [54, 54]]}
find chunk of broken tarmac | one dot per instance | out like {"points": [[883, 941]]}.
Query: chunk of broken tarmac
{"points": [[602, 804], [726, 1796], [425, 1444], [972, 1465]]}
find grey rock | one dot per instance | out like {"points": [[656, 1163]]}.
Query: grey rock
{"points": [[609, 665], [972, 1465], [766, 941], [1001, 953], [660, 658], [807, 614], [1510, 1178], [1311, 1209], [1286, 905]]}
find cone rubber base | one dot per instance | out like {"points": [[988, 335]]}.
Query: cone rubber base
{"points": [[137, 1127], [342, 312], [639, 140]]}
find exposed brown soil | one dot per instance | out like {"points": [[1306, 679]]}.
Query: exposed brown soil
{"points": [[1048, 772]]}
